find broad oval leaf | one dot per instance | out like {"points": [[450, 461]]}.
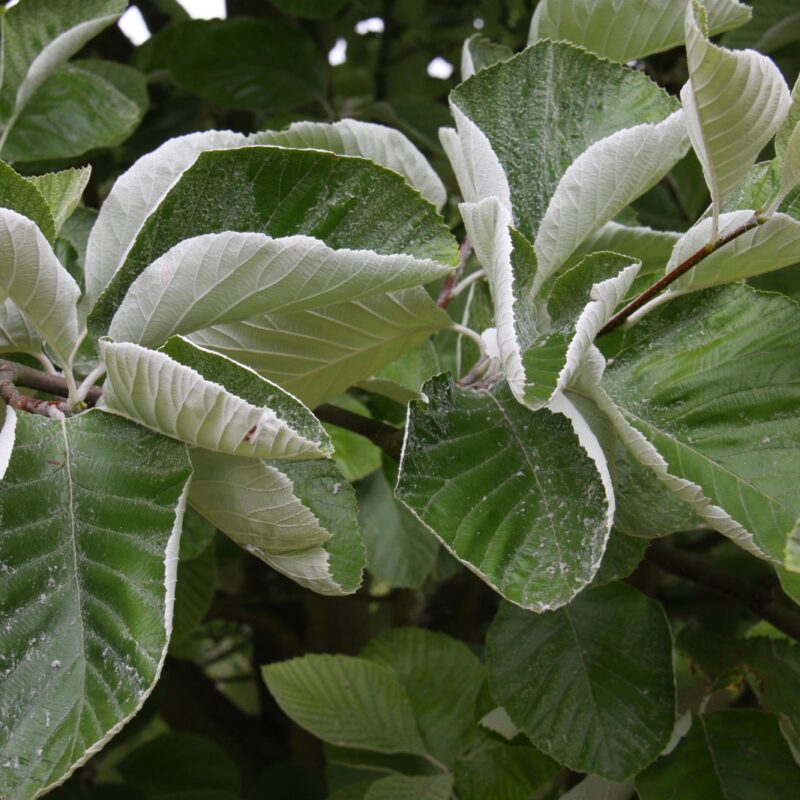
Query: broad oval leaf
{"points": [[512, 493], [590, 684], [638, 28], [346, 701], [299, 518], [33, 279], [91, 509], [734, 102], [135, 195], [226, 277], [704, 390], [349, 137], [209, 401]]}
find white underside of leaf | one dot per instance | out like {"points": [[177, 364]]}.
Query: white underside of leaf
{"points": [[646, 454], [135, 195], [602, 181], [487, 227], [225, 277], [34, 280], [385, 146], [152, 389], [789, 167], [478, 170], [769, 246], [7, 437], [17, 335], [728, 135]]}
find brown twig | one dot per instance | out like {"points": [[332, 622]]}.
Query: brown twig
{"points": [[676, 273], [30, 378], [446, 294]]}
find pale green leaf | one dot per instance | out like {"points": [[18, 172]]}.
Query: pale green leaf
{"points": [[480, 52], [402, 380], [298, 518], [62, 191], [91, 510], [8, 429], [604, 179], [787, 146], [734, 102], [17, 335], [318, 354], [227, 277], [411, 787], [593, 787], [624, 31], [792, 553], [442, 679], [208, 401], [590, 684], [727, 755], [704, 391], [346, 701], [135, 195], [349, 137], [513, 106], [23, 196], [33, 279], [512, 493]]}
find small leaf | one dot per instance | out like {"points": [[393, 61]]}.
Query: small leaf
{"points": [[62, 191], [411, 787], [25, 197], [346, 701], [208, 401], [590, 684], [480, 52]]}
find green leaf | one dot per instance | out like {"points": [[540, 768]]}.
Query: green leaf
{"points": [[318, 354], [345, 202], [134, 197], [197, 576], [78, 108], [734, 103], [590, 684], [622, 556], [346, 701], [253, 64], [513, 104], [773, 26], [793, 549], [17, 335], [91, 509], [637, 29], [25, 197], [349, 137], [400, 550], [592, 787], [298, 518], [442, 679], [411, 787], [511, 493], [480, 52], [705, 392], [37, 38], [34, 280], [227, 277], [62, 192], [207, 400], [402, 380], [727, 755], [313, 9]]}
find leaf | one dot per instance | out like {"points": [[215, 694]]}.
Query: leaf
{"points": [[197, 575], [773, 26], [135, 195], [402, 379], [253, 64], [480, 52], [7, 436], [227, 277], [400, 550], [265, 507], [704, 392], [727, 754], [513, 105], [78, 108], [344, 202], [411, 787], [62, 191], [91, 509], [511, 493], [349, 137], [17, 335], [313, 9], [622, 556], [318, 354], [734, 102], [34, 280], [23, 196], [792, 552], [593, 787], [638, 29], [37, 38], [208, 401], [442, 679], [346, 701], [787, 148], [609, 175], [590, 684]]}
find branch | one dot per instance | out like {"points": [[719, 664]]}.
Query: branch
{"points": [[388, 438], [671, 277], [760, 600], [30, 378]]}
